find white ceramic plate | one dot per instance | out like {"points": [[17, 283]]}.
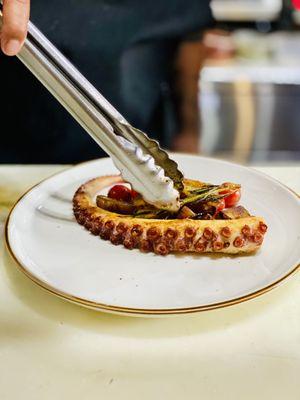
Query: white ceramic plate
{"points": [[61, 256]]}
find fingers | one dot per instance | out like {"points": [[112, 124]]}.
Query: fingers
{"points": [[14, 29]]}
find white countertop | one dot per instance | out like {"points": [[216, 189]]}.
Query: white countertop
{"points": [[51, 349]]}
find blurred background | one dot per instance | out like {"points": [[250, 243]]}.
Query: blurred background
{"points": [[248, 86], [219, 78]]}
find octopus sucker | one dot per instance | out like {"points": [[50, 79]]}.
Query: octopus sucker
{"points": [[153, 233], [136, 230], [145, 246], [180, 246], [200, 246], [262, 227], [162, 236], [161, 247], [225, 231], [246, 230], [239, 241], [217, 245], [257, 237], [116, 239], [208, 233], [171, 234], [190, 232]]}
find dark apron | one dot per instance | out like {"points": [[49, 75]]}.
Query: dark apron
{"points": [[124, 47]]}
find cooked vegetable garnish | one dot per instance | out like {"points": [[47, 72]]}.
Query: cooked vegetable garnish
{"points": [[198, 201]]}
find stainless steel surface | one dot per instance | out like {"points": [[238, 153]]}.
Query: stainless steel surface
{"points": [[259, 73], [141, 161], [250, 112]]}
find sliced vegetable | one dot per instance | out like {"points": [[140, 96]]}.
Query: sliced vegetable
{"points": [[114, 205], [204, 207], [234, 212], [185, 212], [203, 215]]}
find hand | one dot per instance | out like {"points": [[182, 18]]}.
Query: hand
{"points": [[14, 28]]}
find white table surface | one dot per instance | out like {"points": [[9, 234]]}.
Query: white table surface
{"points": [[51, 349]]}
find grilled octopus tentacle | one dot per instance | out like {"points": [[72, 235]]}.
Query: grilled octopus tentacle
{"points": [[164, 236]]}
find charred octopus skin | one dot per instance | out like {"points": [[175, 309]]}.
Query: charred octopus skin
{"points": [[162, 236]]}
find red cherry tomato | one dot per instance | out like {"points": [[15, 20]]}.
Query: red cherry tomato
{"points": [[120, 192], [134, 194], [232, 199]]}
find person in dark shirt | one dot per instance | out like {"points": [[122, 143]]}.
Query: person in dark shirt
{"points": [[125, 48]]}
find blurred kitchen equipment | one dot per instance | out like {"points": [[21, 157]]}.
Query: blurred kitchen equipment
{"points": [[246, 10], [249, 104], [250, 113]]}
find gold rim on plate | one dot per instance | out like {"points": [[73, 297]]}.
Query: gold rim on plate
{"points": [[132, 310]]}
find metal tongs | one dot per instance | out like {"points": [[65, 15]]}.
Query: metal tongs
{"points": [[140, 159]]}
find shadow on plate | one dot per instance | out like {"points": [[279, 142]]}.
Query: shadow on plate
{"points": [[56, 309], [54, 214]]}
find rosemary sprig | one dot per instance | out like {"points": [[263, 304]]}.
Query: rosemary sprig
{"points": [[211, 194], [157, 214], [203, 189]]}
